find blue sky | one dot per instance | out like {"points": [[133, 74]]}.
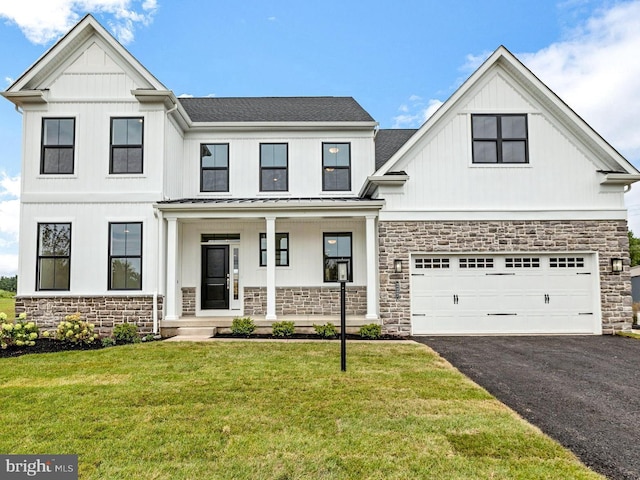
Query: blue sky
{"points": [[399, 59]]}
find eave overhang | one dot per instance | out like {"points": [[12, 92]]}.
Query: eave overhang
{"points": [[622, 179], [389, 180], [26, 97]]}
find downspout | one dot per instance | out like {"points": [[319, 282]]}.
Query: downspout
{"points": [[156, 329]]}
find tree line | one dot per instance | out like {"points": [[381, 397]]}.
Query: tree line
{"points": [[9, 284]]}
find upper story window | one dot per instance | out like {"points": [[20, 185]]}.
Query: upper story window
{"points": [[125, 256], [282, 249], [58, 143], [499, 138], [54, 256], [214, 167], [274, 167], [336, 166], [126, 145]]}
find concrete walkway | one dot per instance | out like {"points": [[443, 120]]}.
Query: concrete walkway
{"points": [[582, 391]]}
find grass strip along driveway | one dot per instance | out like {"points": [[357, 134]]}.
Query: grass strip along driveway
{"points": [[283, 410]]}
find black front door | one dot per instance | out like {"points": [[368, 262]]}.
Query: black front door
{"points": [[215, 277]]}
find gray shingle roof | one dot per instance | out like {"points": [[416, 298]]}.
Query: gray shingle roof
{"points": [[389, 142], [275, 109]]}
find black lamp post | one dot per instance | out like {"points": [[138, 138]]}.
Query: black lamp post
{"points": [[343, 276]]}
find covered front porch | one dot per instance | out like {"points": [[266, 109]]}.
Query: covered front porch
{"points": [[271, 259]]}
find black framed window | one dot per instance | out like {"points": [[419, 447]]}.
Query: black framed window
{"points": [[337, 248], [54, 256], [126, 145], [274, 167], [214, 167], [58, 145], [336, 166], [282, 249], [499, 138], [125, 256]]}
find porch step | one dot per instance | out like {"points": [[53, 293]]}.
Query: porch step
{"points": [[196, 331]]}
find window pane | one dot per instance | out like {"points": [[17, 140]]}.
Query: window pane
{"points": [[336, 178], [51, 131], [134, 131], [65, 160], [126, 131], [134, 160], [50, 160], [273, 155], [125, 274], [514, 152], [215, 155], [55, 239], [214, 181], [331, 246], [485, 126], [118, 239], [119, 131], [119, 160], [281, 241], [335, 154], [53, 274], [66, 131], [281, 258], [344, 246], [485, 152], [133, 234], [274, 179], [514, 126]]}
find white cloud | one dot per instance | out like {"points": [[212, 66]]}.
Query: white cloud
{"points": [[44, 20], [595, 70], [9, 223], [415, 113]]}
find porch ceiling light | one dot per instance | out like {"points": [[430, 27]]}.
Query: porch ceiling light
{"points": [[616, 265], [334, 150]]}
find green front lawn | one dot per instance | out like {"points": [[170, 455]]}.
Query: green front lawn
{"points": [[8, 306], [253, 410]]}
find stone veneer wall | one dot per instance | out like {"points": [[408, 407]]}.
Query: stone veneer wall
{"points": [[306, 300], [188, 301], [397, 240], [104, 312]]}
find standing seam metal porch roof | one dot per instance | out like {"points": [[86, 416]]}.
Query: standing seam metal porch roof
{"points": [[275, 109]]}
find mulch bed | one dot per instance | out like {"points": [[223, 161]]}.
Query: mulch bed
{"points": [[44, 345], [302, 336]]}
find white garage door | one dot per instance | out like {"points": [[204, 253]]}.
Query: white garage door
{"points": [[504, 294]]}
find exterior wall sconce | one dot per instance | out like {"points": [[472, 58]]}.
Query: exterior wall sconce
{"points": [[397, 266], [616, 265]]}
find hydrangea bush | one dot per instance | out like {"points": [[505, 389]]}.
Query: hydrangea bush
{"points": [[19, 333], [75, 330]]}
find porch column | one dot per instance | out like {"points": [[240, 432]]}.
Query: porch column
{"points": [[172, 255], [372, 269], [271, 268]]}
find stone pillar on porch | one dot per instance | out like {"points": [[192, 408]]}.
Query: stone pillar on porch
{"points": [[372, 268], [172, 268], [271, 268]]}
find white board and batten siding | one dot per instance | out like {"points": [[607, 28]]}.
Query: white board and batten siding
{"points": [[512, 293]]}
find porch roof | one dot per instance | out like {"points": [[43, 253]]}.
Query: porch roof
{"points": [[291, 206]]}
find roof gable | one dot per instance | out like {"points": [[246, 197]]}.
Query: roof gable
{"points": [[505, 65], [88, 43]]}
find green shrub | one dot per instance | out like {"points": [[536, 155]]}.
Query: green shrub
{"points": [[283, 329], [242, 326], [126, 333], [108, 342], [372, 331], [328, 330], [75, 330], [149, 337], [19, 334]]}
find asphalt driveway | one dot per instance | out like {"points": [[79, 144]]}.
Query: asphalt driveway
{"points": [[582, 391]]}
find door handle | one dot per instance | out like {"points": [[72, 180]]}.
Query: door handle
{"points": [[227, 281]]}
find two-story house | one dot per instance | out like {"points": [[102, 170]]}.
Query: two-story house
{"points": [[503, 213]]}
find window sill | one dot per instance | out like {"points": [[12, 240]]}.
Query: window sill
{"points": [[67, 176], [113, 176], [500, 165]]}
